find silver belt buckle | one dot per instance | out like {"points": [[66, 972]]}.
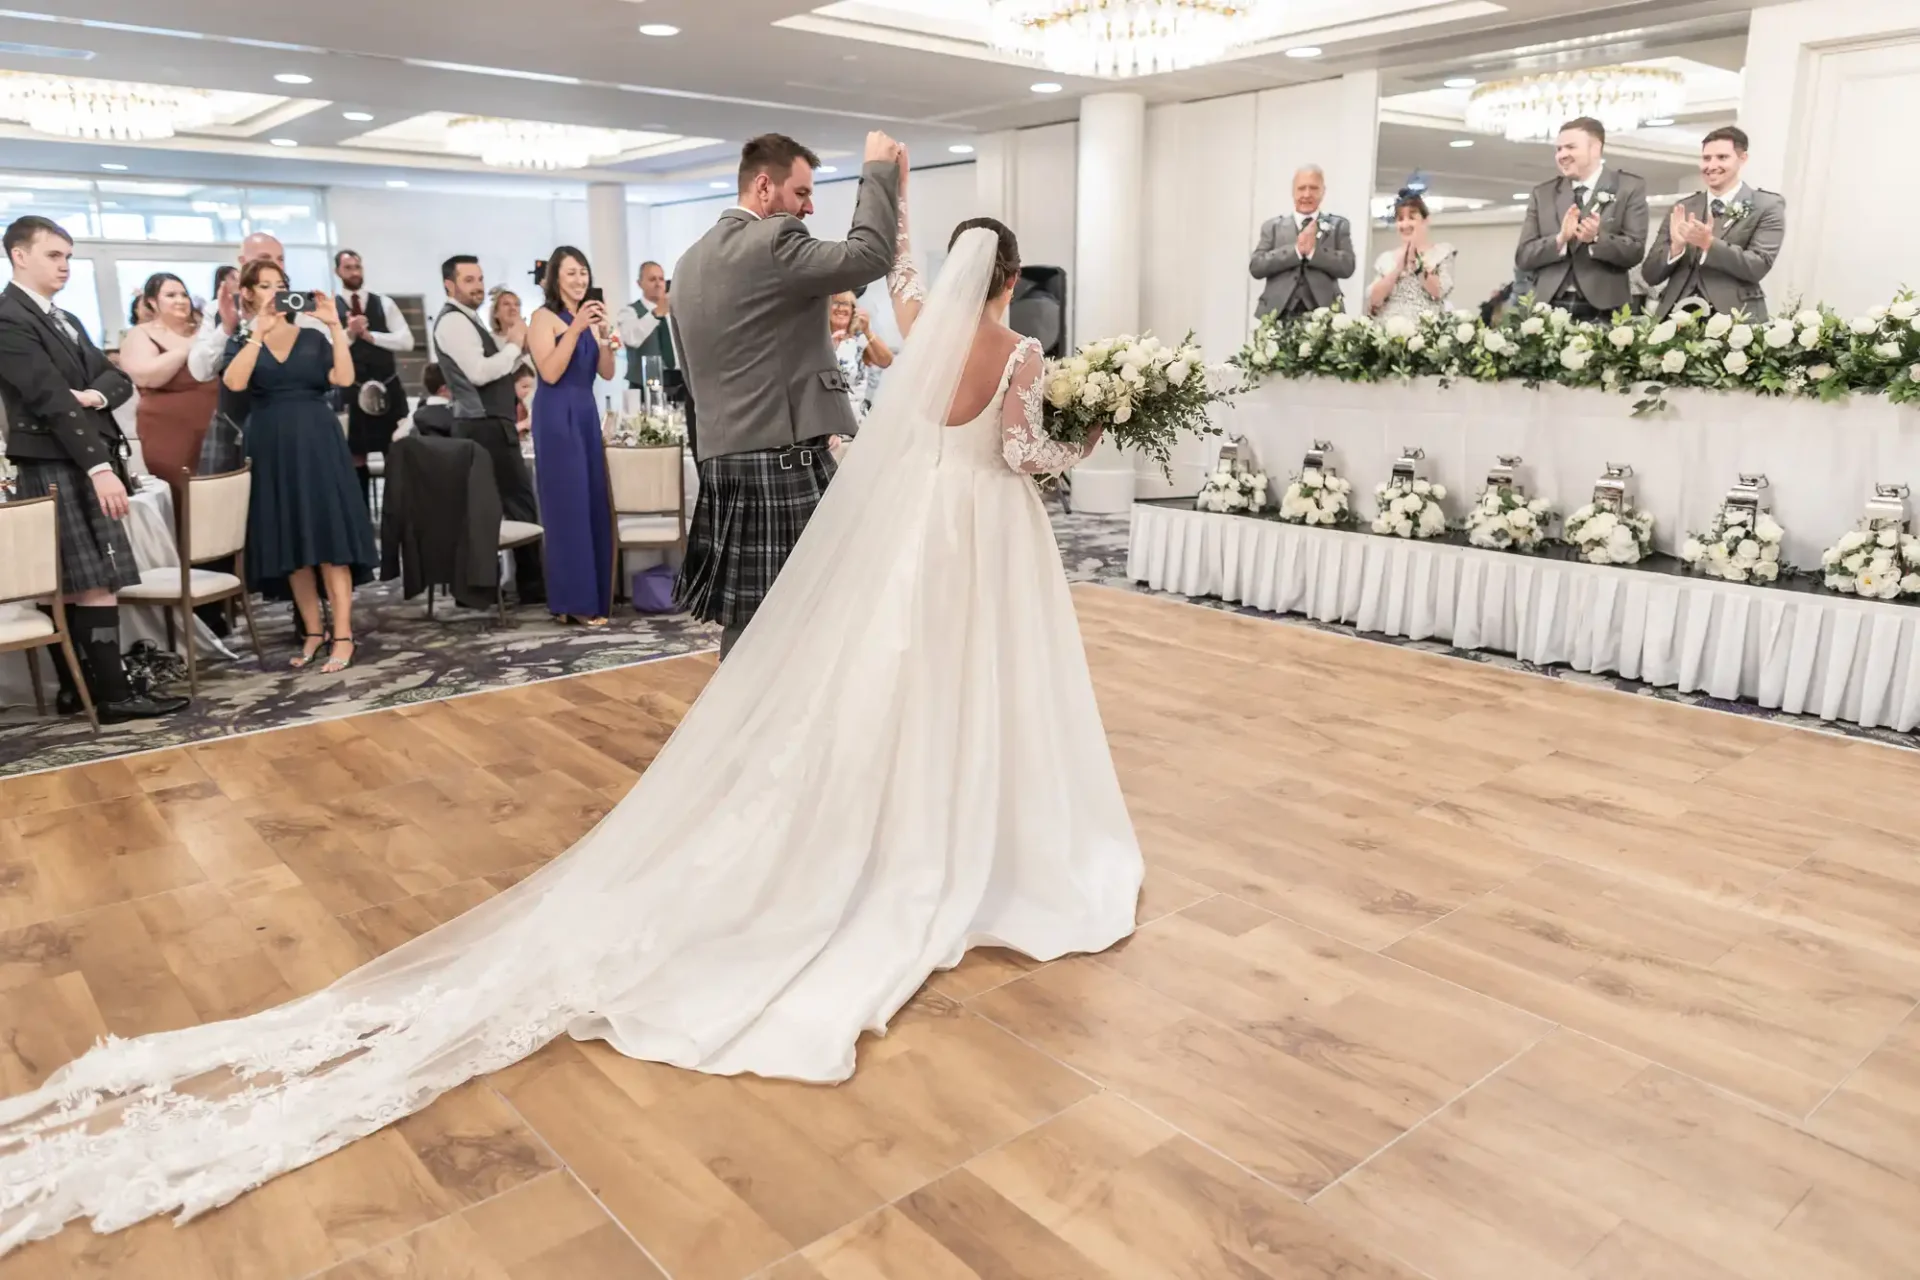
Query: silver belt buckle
{"points": [[806, 457], [786, 459]]}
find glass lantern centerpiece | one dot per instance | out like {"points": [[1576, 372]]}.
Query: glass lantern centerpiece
{"points": [[1743, 543], [1318, 495], [1877, 558], [1503, 518], [1610, 529], [1408, 504], [1236, 487]]}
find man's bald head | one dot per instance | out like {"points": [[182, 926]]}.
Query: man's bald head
{"points": [[261, 245]]}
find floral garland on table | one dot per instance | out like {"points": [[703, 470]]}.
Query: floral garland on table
{"points": [[1608, 534], [1812, 352], [1142, 392], [1233, 489], [1504, 519], [1738, 547], [1881, 564], [1410, 509], [1317, 498]]}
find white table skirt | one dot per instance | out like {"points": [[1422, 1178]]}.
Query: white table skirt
{"points": [[1824, 655], [1823, 459]]}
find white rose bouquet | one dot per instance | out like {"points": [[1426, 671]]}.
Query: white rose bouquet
{"points": [[9, 477], [1317, 498], [1882, 350], [1410, 509], [1504, 519], [1738, 547], [1233, 489], [1606, 534], [1140, 391], [1877, 564]]}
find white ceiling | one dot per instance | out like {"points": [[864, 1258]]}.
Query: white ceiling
{"points": [[732, 72]]}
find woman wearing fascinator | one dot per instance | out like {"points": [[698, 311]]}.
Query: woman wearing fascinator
{"points": [[1416, 277]]}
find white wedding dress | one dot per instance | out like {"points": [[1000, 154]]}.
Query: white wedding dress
{"points": [[901, 759]]}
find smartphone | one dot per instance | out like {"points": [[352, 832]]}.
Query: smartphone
{"points": [[292, 302], [596, 294], [540, 269]]}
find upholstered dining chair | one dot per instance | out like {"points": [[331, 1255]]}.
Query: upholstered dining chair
{"points": [[30, 572], [212, 525], [646, 495]]}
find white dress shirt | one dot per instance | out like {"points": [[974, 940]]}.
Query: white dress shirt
{"points": [[398, 337], [456, 340], [203, 361], [1592, 184], [636, 326]]}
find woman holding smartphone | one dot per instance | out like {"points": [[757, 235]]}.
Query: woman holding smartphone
{"points": [[307, 514], [571, 346]]}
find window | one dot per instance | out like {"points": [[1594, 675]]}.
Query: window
{"points": [[68, 201], [131, 275], [81, 299]]}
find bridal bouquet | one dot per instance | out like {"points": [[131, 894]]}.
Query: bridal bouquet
{"points": [[1315, 497], [1505, 520], [1410, 509], [1233, 488], [1738, 547], [1143, 392], [1881, 564], [1609, 534]]}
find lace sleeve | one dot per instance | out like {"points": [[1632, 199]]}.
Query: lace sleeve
{"points": [[1023, 439], [903, 282]]}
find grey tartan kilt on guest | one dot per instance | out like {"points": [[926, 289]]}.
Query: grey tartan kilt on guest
{"points": [[752, 509], [94, 551]]}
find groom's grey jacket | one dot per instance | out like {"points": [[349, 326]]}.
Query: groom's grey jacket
{"points": [[750, 320]]}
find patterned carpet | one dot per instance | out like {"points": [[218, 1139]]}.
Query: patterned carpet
{"points": [[406, 657]]}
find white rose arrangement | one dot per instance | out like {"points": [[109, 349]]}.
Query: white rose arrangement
{"points": [[1317, 498], [1233, 489], [1143, 393], [1738, 547], [9, 477], [1410, 509], [1504, 519], [1875, 564], [1607, 534]]}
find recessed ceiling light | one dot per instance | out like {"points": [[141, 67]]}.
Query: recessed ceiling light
{"points": [[1460, 82], [358, 117], [1523, 195], [1659, 122], [827, 168], [293, 77], [961, 149], [1461, 144], [396, 183], [1047, 86], [283, 142], [1304, 51], [116, 168], [658, 29], [719, 186]]}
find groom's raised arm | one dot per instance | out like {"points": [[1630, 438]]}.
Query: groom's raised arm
{"points": [[820, 267]]}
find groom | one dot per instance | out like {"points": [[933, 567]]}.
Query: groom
{"points": [[750, 324]]}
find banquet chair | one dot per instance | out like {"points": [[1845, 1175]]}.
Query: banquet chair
{"points": [[646, 499], [30, 571], [513, 535], [212, 525]]}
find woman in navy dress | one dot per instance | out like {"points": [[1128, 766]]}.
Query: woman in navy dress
{"points": [[306, 512], [571, 347]]}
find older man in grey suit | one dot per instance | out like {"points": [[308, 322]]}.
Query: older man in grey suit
{"points": [[1718, 245], [750, 324], [1303, 256], [1586, 229]]}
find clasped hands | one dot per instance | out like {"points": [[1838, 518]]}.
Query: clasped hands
{"points": [[1685, 229], [1576, 227], [1309, 236]]}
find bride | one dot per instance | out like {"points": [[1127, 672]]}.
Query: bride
{"points": [[901, 760]]}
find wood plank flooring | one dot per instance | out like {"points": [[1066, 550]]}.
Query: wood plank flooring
{"points": [[1443, 972]]}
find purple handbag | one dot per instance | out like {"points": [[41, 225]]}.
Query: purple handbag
{"points": [[653, 590]]}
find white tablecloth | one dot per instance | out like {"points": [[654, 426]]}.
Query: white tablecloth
{"points": [[1823, 460], [1809, 653]]}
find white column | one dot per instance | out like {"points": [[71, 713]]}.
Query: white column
{"points": [[607, 240], [1109, 245], [995, 170]]}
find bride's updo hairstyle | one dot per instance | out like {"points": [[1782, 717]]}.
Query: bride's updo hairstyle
{"points": [[1006, 258]]}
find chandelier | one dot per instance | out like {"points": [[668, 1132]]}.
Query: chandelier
{"points": [[1121, 38], [530, 144], [103, 109], [1534, 107]]}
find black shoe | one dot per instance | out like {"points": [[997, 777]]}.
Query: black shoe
{"points": [[138, 708], [67, 703]]}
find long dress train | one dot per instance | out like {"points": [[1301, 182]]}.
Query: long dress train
{"points": [[901, 759]]}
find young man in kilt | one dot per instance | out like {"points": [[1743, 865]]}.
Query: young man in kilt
{"points": [[750, 325], [59, 392]]}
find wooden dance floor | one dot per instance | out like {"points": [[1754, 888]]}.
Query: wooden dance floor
{"points": [[1443, 971]]}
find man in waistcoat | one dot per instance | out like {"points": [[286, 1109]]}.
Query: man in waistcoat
{"points": [[643, 326], [379, 333]]}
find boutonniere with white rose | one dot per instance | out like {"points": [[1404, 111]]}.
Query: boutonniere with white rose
{"points": [[1602, 199], [1736, 211], [1877, 564]]}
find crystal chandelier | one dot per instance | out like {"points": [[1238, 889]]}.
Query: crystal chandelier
{"points": [[1534, 107], [530, 144], [1121, 38], [103, 109]]}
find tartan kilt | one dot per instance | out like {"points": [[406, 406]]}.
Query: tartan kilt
{"points": [[750, 515], [86, 535]]}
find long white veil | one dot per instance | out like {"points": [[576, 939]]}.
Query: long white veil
{"points": [[613, 938]]}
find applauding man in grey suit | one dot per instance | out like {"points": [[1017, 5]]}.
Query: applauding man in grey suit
{"points": [[1586, 229], [750, 324], [1718, 245], [1303, 256]]}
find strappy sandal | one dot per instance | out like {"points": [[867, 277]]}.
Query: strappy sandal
{"points": [[307, 655], [336, 664]]}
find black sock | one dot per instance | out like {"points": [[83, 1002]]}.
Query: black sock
{"points": [[59, 657], [96, 630]]}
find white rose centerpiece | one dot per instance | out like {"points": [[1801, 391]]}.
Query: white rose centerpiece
{"points": [[1878, 563], [1233, 489], [1740, 546], [1610, 533], [1504, 519], [1410, 508], [1317, 498]]}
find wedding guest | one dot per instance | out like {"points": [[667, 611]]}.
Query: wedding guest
{"points": [[643, 327], [1718, 245], [1586, 229], [572, 346], [1303, 256], [1416, 278], [175, 407], [306, 513], [504, 315], [379, 333], [525, 383], [861, 352], [225, 320], [139, 310], [434, 414]]}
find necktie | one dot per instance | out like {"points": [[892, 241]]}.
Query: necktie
{"points": [[1719, 207], [65, 325], [353, 306], [1580, 197]]}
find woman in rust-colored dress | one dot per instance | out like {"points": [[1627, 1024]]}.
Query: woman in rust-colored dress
{"points": [[174, 409]]}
